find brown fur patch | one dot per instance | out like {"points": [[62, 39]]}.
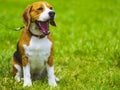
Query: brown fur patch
{"points": [[26, 16], [35, 12], [24, 60], [24, 40], [50, 59]]}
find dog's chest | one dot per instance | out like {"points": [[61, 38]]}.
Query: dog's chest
{"points": [[38, 52]]}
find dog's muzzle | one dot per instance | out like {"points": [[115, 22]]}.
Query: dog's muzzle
{"points": [[44, 26], [51, 14]]}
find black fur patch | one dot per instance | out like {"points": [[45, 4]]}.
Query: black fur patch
{"points": [[17, 56]]}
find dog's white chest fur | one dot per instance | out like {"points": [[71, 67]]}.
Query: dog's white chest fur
{"points": [[38, 52]]}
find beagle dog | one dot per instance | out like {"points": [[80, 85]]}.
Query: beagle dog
{"points": [[34, 54]]}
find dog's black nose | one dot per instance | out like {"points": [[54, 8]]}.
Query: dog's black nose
{"points": [[51, 14]]}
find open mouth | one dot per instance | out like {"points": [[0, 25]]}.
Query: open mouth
{"points": [[43, 26]]}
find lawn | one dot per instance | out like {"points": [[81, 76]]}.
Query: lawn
{"points": [[87, 44]]}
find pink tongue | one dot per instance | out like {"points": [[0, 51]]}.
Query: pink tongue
{"points": [[44, 27]]}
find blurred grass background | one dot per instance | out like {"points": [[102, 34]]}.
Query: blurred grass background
{"points": [[87, 44]]}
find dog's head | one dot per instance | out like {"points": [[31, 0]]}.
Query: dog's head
{"points": [[40, 13]]}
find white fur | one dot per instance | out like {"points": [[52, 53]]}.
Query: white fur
{"points": [[19, 72], [51, 76], [45, 16], [27, 75], [38, 53]]}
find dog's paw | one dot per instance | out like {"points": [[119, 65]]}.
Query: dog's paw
{"points": [[52, 82], [57, 79], [27, 83], [17, 78]]}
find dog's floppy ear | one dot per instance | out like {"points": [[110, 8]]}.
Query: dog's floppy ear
{"points": [[26, 16], [52, 22]]}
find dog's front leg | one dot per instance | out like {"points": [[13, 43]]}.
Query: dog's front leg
{"points": [[51, 76], [26, 72]]}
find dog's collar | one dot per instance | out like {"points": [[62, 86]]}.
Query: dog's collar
{"points": [[39, 36]]}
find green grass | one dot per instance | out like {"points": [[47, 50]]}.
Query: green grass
{"points": [[87, 44]]}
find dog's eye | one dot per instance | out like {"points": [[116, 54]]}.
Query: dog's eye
{"points": [[40, 9], [51, 8]]}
